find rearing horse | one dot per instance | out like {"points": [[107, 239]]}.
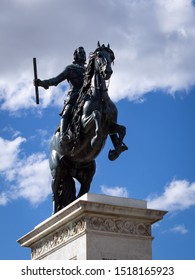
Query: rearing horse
{"points": [[93, 119]]}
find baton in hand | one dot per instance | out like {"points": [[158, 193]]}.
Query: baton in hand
{"points": [[35, 77]]}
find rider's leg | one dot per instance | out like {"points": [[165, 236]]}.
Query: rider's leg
{"points": [[65, 120]]}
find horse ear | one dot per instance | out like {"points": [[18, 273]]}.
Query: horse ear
{"points": [[108, 45], [98, 44]]}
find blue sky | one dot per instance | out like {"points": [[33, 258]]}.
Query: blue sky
{"points": [[153, 85]]}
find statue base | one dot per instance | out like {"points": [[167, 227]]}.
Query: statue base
{"points": [[95, 227]]}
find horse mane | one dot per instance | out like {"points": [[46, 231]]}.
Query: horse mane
{"points": [[89, 72]]}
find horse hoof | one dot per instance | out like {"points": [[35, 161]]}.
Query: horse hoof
{"points": [[114, 154], [124, 147]]}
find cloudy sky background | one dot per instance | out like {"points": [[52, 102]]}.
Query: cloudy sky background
{"points": [[152, 85]]}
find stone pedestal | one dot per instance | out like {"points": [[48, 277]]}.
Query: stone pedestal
{"points": [[95, 227]]}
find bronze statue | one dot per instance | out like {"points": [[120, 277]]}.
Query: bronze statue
{"points": [[93, 118]]}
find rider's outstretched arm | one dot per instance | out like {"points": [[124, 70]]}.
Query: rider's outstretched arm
{"points": [[53, 81]]}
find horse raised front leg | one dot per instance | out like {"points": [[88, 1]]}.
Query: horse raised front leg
{"points": [[93, 120], [117, 134]]}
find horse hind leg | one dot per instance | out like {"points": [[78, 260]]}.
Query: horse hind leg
{"points": [[56, 189], [68, 191], [85, 177]]}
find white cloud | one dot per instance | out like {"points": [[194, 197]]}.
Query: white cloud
{"points": [[16, 96], [9, 151], [179, 229], [27, 177], [114, 191], [153, 42], [178, 195], [3, 198], [21, 95]]}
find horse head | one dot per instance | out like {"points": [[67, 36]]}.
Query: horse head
{"points": [[103, 58]]}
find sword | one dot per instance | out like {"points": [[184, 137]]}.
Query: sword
{"points": [[35, 77]]}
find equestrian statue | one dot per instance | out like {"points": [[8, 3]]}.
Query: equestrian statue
{"points": [[88, 117]]}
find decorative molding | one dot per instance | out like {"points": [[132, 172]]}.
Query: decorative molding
{"points": [[58, 237], [119, 226]]}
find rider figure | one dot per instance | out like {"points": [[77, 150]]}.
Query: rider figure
{"points": [[74, 74]]}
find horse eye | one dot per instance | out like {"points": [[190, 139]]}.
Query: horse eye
{"points": [[99, 54]]}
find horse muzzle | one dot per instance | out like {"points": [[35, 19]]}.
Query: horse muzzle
{"points": [[106, 74]]}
